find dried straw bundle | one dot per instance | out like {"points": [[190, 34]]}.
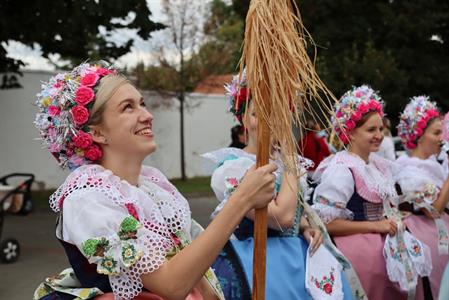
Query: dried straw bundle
{"points": [[282, 78]]}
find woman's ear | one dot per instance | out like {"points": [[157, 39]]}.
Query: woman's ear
{"points": [[351, 135], [97, 135]]}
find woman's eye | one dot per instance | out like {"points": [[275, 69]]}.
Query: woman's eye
{"points": [[143, 104], [128, 106]]}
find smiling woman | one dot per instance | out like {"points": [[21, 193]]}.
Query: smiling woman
{"points": [[356, 190], [124, 227]]}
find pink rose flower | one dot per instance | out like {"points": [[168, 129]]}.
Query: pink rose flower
{"points": [[432, 114], [357, 115], [82, 140], [84, 95], [422, 123], [90, 79], [379, 107], [412, 137], [419, 131], [350, 125], [93, 153], [80, 115], [372, 105], [363, 108], [344, 138], [339, 114], [103, 71], [53, 110], [358, 94], [58, 84], [410, 145]]}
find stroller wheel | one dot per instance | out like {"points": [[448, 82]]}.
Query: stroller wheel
{"points": [[9, 250]]}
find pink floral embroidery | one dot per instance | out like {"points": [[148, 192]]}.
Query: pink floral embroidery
{"points": [[132, 210], [326, 284]]}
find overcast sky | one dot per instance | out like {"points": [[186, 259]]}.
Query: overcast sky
{"points": [[141, 50]]}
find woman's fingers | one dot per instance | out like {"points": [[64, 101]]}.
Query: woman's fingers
{"points": [[317, 240]]}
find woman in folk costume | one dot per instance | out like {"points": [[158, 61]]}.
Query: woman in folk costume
{"points": [[424, 181], [352, 197], [289, 233], [124, 227]]}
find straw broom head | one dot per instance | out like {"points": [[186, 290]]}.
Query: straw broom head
{"points": [[282, 78]]}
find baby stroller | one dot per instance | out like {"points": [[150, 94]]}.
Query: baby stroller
{"points": [[13, 199]]}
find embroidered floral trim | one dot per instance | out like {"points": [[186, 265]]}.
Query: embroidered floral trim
{"points": [[326, 284], [415, 249], [108, 252], [231, 184], [128, 228], [428, 195], [108, 266], [95, 247], [325, 201]]}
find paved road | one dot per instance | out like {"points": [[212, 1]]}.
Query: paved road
{"points": [[42, 255]]}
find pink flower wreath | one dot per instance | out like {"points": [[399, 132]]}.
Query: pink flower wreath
{"points": [[414, 120], [64, 105], [351, 108]]}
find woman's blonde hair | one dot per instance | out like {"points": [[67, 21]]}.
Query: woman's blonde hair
{"points": [[106, 89]]}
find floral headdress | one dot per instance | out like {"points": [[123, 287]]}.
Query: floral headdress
{"points": [[65, 103], [414, 120], [238, 94], [351, 108]]}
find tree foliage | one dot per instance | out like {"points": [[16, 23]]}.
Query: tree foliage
{"points": [[70, 28], [218, 53], [400, 48]]}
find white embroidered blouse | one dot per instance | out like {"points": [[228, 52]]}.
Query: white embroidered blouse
{"points": [[422, 177], [126, 230], [339, 175]]}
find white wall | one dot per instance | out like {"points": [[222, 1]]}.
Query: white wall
{"points": [[207, 127]]}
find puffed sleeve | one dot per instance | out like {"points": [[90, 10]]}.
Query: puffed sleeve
{"points": [[416, 185], [107, 235], [333, 193], [226, 179]]}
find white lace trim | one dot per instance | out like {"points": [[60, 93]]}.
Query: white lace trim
{"points": [[376, 176], [419, 172], [220, 155], [329, 213]]}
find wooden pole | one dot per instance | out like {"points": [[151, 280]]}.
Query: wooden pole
{"points": [[260, 222]]}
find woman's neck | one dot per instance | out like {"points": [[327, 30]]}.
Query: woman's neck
{"points": [[251, 147], [125, 168], [361, 154], [419, 153]]}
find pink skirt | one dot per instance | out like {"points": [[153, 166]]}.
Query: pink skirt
{"points": [[424, 229], [365, 252]]}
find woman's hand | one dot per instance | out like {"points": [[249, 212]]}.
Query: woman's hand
{"points": [[314, 237], [257, 186], [386, 226]]}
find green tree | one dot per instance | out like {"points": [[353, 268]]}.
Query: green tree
{"points": [[400, 48], [70, 28]]}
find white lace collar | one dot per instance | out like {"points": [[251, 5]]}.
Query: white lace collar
{"points": [[220, 155], [429, 168], [374, 177]]}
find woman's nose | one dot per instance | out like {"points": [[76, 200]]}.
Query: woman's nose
{"points": [[145, 115]]}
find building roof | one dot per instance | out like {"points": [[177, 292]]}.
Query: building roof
{"points": [[213, 84]]}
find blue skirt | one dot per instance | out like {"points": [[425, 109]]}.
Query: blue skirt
{"points": [[285, 269]]}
